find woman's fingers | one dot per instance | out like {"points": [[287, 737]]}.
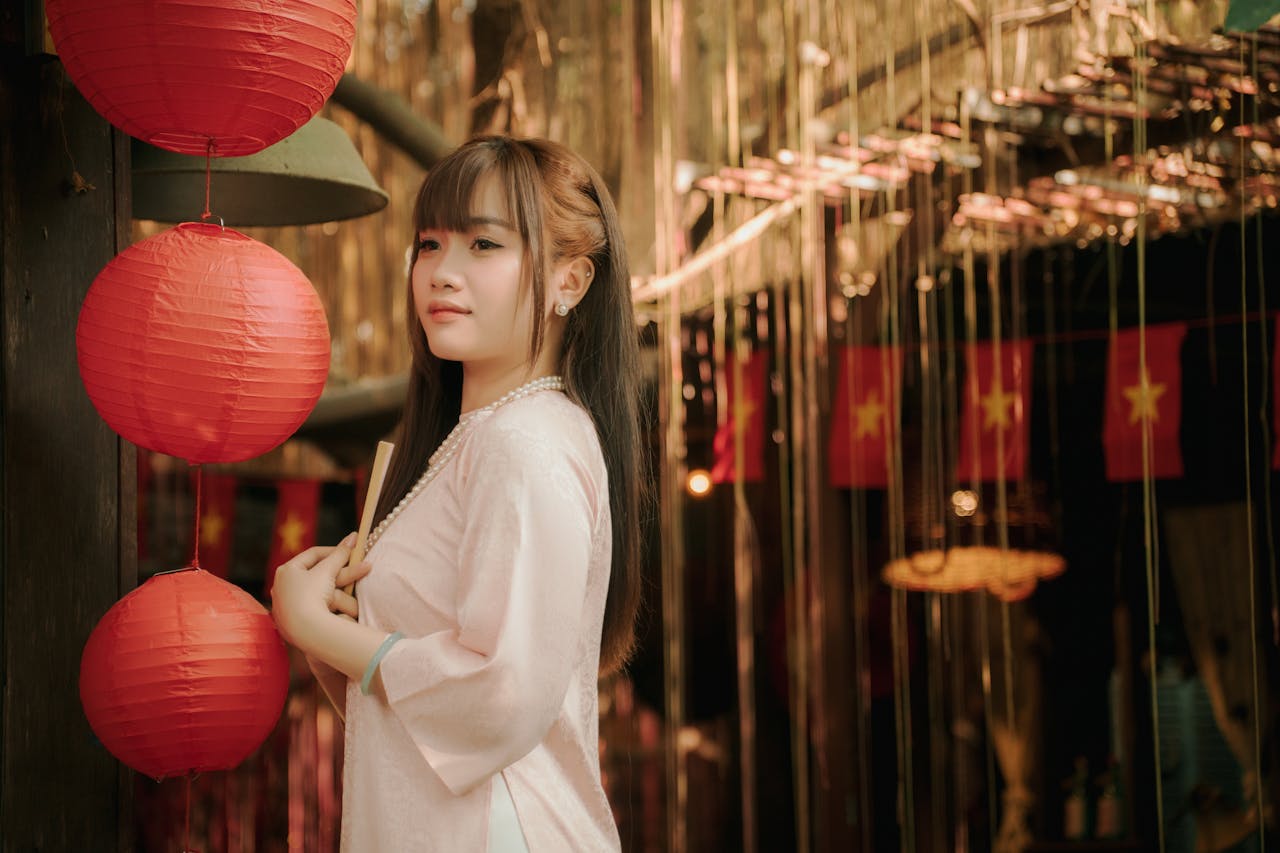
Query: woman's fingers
{"points": [[329, 558], [344, 604], [313, 555], [350, 574]]}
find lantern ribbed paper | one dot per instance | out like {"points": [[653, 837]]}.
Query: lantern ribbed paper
{"points": [[184, 674], [179, 73], [203, 344]]}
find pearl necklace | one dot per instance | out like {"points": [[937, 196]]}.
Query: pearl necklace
{"points": [[449, 447]]}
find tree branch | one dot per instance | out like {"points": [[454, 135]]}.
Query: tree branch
{"points": [[392, 119]]}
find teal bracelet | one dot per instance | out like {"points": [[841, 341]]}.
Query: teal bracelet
{"points": [[391, 640]]}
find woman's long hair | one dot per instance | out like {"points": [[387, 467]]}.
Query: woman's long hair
{"points": [[562, 210]]}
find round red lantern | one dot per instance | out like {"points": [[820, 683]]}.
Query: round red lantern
{"points": [[180, 73], [185, 674], [204, 344]]}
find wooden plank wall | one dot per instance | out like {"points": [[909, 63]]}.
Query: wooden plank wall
{"points": [[67, 483]]}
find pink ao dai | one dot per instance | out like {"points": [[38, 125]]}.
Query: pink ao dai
{"points": [[496, 574]]}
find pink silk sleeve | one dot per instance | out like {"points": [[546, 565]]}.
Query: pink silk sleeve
{"points": [[478, 698]]}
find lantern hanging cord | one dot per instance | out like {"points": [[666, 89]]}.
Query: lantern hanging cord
{"points": [[208, 172], [195, 538]]}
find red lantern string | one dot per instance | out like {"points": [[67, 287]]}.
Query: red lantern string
{"points": [[195, 539], [208, 170]]}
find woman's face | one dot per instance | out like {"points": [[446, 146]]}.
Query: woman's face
{"points": [[468, 289]]}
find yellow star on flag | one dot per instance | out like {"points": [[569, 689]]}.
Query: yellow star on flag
{"points": [[747, 406], [211, 526], [291, 532], [996, 406], [870, 415], [1144, 399]]}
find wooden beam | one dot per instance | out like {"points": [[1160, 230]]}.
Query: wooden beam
{"points": [[67, 482]]}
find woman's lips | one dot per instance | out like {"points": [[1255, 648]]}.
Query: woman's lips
{"points": [[445, 311]]}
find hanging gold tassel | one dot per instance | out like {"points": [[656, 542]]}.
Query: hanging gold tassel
{"points": [[671, 416]]}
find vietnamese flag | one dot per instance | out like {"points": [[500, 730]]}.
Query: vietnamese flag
{"points": [[217, 517], [1135, 400], [297, 512], [997, 409], [863, 417], [752, 414]]}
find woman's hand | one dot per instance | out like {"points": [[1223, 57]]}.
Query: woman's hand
{"points": [[306, 591]]}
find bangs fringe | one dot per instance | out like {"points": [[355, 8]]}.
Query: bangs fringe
{"points": [[444, 203]]}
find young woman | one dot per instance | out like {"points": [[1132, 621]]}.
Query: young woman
{"points": [[503, 576]]}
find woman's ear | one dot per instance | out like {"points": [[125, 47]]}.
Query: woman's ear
{"points": [[574, 279]]}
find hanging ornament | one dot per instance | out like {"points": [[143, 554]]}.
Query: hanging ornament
{"points": [[185, 75], [204, 344], [185, 674]]}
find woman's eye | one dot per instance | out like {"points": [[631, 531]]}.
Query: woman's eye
{"points": [[483, 244], [427, 244]]}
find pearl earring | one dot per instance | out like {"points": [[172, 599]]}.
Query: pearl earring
{"points": [[562, 310]]}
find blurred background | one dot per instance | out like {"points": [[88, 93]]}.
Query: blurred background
{"points": [[960, 373]]}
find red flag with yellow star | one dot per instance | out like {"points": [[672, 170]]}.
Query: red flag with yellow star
{"points": [[751, 409], [1135, 401], [217, 520], [297, 511], [864, 416], [997, 410]]}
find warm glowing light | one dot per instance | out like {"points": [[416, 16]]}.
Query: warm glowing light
{"points": [[964, 502], [698, 483], [847, 287]]}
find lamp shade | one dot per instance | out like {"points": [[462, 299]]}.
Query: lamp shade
{"points": [[939, 560], [204, 344], [1010, 574], [314, 175], [180, 74], [185, 674]]}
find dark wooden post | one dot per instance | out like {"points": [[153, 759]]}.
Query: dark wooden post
{"points": [[67, 482]]}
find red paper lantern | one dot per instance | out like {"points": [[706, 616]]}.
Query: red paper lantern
{"points": [[179, 73], [185, 674], [204, 344]]}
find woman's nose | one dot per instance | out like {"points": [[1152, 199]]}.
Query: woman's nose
{"points": [[447, 272], [440, 281]]}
